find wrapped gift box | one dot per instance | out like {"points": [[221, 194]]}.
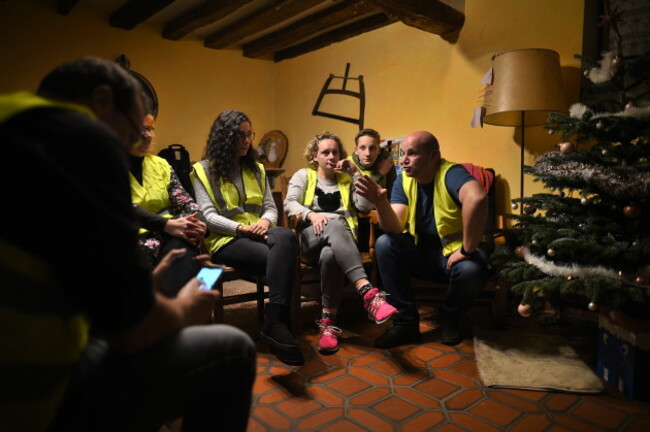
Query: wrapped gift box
{"points": [[624, 354]]}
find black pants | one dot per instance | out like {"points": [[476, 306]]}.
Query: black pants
{"points": [[276, 259], [203, 373]]}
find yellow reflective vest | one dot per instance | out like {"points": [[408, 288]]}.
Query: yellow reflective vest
{"points": [[343, 181], [448, 215], [369, 173], [40, 342], [153, 193], [245, 210]]}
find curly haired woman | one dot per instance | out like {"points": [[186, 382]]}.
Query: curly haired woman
{"points": [[236, 200]]}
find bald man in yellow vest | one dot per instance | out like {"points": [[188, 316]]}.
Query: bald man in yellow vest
{"points": [[434, 222]]}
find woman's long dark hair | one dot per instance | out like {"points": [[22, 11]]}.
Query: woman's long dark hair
{"points": [[221, 148]]}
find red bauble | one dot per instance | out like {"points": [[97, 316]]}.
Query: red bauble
{"points": [[567, 147], [525, 310], [631, 211]]}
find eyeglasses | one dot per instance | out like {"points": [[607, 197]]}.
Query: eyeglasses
{"points": [[247, 134]]}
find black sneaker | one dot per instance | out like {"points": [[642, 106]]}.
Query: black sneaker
{"points": [[450, 328], [398, 335]]}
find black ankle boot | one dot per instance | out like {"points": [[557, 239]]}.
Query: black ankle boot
{"points": [[276, 331]]}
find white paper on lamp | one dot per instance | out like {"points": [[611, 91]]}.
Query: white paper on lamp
{"points": [[487, 78], [477, 118]]}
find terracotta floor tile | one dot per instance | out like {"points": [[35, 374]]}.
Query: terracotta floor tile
{"points": [[599, 414], [559, 429], [424, 353], [471, 423], [639, 425], [408, 379], [423, 422], [369, 419], [495, 412], [328, 375], [467, 369], [418, 398], [387, 367], [325, 396], [622, 403], [348, 385], [436, 388], [272, 396], [532, 423], [319, 419], [454, 378], [370, 358], [445, 361], [314, 367], [561, 402], [253, 426], [369, 397], [298, 407], [450, 428], [528, 394], [395, 408], [270, 418], [344, 425], [464, 399], [513, 400], [351, 352], [370, 376], [574, 423]]}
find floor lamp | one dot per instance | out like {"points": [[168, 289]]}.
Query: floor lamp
{"points": [[526, 87]]}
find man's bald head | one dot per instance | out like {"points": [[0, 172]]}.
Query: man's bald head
{"points": [[425, 139]]}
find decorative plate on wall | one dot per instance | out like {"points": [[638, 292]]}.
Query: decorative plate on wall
{"points": [[147, 88], [272, 149]]}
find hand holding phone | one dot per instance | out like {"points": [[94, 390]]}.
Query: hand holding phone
{"points": [[208, 276]]}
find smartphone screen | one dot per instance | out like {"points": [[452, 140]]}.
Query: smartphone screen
{"points": [[208, 276]]}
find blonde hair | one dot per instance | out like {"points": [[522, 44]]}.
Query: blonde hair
{"points": [[312, 148]]}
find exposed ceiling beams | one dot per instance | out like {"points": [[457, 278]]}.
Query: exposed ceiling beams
{"points": [[277, 29]]}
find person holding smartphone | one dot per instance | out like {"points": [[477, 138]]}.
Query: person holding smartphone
{"points": [[235, 197]]}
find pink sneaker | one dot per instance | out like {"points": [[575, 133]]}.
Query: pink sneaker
{"points": [[374, 302], [328, 342]]}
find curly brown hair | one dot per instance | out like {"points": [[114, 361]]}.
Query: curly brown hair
{"points": [[221, 148], [312, 148]]}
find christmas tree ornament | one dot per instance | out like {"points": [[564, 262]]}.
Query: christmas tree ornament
{"points": [[629, 105], [519, 251], [525, 310], [604, 152], [529, 208], [514, 206], [561, 194], [535, 242], [550, 252], [616, 61], [640, 280], [593, 306], [643, 159], [584, 201], [631, 211], [599, 125], [567, 147]]}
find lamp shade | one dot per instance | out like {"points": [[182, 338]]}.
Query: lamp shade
{"points": [[526, 87]]}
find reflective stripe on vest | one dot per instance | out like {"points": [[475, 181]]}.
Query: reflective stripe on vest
{"points": [[343, 181], [244, 208], [448, 215], [153, 193]]}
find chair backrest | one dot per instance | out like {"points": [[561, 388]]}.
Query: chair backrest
{"points": [[179, 158]]}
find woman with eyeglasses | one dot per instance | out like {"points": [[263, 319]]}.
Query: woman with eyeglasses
{"points": [[234, 194], [168, 214]]}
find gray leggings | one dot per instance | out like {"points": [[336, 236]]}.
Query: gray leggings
{"points": [[337, 256]]}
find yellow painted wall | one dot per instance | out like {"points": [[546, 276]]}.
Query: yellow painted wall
{"points": [[193, 83], [418, 81], [414, 80]]}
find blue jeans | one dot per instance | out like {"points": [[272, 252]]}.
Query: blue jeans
{"points": [[399, 259]]}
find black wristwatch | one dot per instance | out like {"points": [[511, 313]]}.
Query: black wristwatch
{"points": [[464, 253]]}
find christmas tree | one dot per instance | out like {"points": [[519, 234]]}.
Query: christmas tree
{"points": [[587, 241]]}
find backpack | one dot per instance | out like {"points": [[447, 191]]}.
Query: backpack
{"points": [[179, 159]]}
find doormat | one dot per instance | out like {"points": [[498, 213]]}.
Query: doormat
{"points": [[532, 361]]}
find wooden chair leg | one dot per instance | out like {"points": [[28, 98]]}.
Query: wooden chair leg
{"points": [[260, 298]]}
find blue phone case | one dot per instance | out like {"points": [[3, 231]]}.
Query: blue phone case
{"points": [[208, 276]]}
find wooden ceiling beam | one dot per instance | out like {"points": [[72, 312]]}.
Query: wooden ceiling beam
{"points": [[340, 34], [279, 12], [335, 16], [135, 12], [65, 6], [207, 13], [432, 16]]}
